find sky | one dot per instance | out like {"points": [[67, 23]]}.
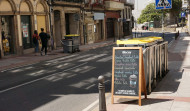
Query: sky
{"points": [[140, 5]]}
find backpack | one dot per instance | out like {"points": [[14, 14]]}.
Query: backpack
{"points": [[34, 40]]}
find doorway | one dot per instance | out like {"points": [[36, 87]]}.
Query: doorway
{"points": [[8, 36], [26, 31]]}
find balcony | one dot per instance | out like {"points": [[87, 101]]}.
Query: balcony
{"points": [[129, 2], [112, 5], [73, 1], [77, 3]]}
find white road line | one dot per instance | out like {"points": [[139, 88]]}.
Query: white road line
{"points": [[170, 43], [91, 105], [90, 86], [92, 58], [105, 59], [17, 67], [62, 58], [5, 90]]}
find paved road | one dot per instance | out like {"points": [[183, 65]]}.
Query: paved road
{"points": [[68, 83], [64, 84], [168, 36]]}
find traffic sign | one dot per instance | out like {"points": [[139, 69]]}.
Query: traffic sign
{"points": [[163, 4], [182, 14]]}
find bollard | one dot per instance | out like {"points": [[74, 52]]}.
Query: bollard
{"points": [[176, 35], [163, 36], [102, 100]]}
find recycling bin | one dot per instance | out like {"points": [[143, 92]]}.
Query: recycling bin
{"points": [[71, 43], [154, 55], [67, 45]]}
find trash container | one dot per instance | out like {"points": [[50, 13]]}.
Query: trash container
{"points": [[75, 39], [154, 57], [70, 43], [67, 45]]}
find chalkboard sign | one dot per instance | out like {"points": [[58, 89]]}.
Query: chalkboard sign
{"points": [[127, 72]]}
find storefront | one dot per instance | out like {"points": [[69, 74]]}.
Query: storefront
{"points": [[113, 14], [99, 26], [26, 32], [7, 34], [18, 20], [112, 24], [7, 27], [89, 28], [66, 21]]}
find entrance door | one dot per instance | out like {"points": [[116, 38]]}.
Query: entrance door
{"points": [[67, 23], [41, 22], [7, 33], [110, 28], [26, 31]]}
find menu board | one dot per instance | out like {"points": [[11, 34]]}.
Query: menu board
{"points": [[126, 72]]}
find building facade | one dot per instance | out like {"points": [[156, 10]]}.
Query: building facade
{"points": [[17, 23], [92, 20]]}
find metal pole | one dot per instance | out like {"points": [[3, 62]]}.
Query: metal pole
{"points": [[102, 100], [163, 23]]}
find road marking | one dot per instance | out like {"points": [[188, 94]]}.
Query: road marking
{"points": [[17, 67], [80, 57], [91, 105], [8, 89], [62, 58], [92, 58], [90, 86], [170, 43], [105, 59]]}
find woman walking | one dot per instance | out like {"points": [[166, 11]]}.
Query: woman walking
{"points": [[35, 38]]}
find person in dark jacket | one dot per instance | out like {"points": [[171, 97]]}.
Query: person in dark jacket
{"points": [[44, 40]]}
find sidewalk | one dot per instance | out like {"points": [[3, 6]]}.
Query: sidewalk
{"points": [[18, 61], [172, 93]]}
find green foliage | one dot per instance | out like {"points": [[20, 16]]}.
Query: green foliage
{"points": [[176, 7], [150, 14]]}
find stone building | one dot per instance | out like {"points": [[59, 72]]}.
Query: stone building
{"points": [[92, 20], [18, 20]]}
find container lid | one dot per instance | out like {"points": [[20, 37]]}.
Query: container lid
{"points": [[72, 35], [140, 41], [131, 41]]}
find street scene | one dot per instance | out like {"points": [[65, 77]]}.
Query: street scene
{"points": [[94, 55]]}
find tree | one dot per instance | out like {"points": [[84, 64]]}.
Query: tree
{"points": [[150, 14]]}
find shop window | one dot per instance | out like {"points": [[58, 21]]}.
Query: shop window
{"points": [[7, 33], [26, 34]]}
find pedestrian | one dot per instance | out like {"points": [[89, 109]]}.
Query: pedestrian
{"points": [[49, 42], [44, 40], [35, 38]]}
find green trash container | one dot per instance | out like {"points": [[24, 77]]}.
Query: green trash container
{"points": [[75, 41]]}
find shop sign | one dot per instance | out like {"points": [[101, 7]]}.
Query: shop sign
{"points": [[25, 31], [98, 16]]}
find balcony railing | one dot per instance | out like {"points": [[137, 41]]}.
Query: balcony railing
{"points": [[73, 1], [131, 2]]}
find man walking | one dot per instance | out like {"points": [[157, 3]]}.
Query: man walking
{"points": [[44, 40]]}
